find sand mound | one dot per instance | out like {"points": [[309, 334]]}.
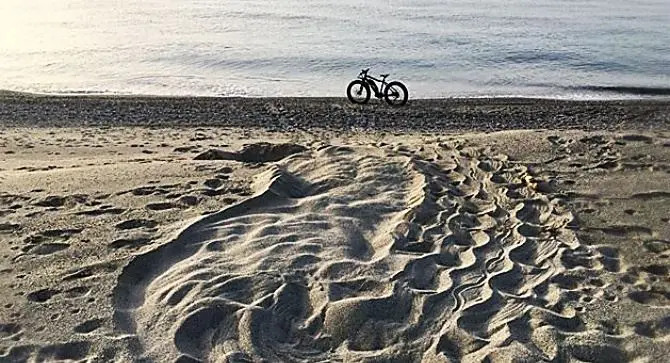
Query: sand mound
{"points": [[254, 153], [355, 253]]}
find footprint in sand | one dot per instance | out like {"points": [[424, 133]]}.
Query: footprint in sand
{"points": [[653, 297], [160, 206], [213, 183], [43, 295], [46, 248], [214, 192], [659, 270], [185, 149], [48, 242], [136, 223], [655, 329], [150, 190], [224, 170], [657, 246], [53, 233], [70, 351], [638, 138], [130, 243], [88, 326], [51, 201], [353, 253], [10, 330], [6, 227], [188, 200]]}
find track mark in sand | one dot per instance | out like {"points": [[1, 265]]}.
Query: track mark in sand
{"points": [[653, 297], [225, 170], [70, 351], [659, 270], [160, 206], [349, 253], [651, 195], [629, 231], [150, 190], [9, 330], [77, 292], [79, 274], [254, 153], [185, 149], [89, 272], [136, 223], [55, 201], [655, 329], [213, 183], [102, 211], [8, 199], [130, 242], [50, 234], [6, 212], [240, 191], [188, 200], [637, 138], [7, 228], [41, 296], [657, 246], [46, 248], [47, 242], [88, 326]]}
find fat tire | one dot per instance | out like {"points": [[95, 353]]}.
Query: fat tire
{"points": [[350, 90], [397, 102]]}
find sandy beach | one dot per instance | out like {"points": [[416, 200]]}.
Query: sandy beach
{"points": [[145, 229]]}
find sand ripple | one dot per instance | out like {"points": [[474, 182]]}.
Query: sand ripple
{"points": [[356, 253]]}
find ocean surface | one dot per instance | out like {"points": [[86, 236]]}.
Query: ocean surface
{"points": [[459, 48]]}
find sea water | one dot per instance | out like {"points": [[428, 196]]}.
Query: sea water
{"points": [[439, 48]]}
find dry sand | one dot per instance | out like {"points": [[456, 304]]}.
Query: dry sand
{"points": [[208, 244]]}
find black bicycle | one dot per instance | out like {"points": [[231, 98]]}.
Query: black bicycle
{"points": [[395, 93]]}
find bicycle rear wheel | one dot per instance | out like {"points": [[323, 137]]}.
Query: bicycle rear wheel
{"points": [[396, 94], [358, 92]]}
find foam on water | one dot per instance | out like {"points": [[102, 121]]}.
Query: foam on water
{"points": [[556, 48]]}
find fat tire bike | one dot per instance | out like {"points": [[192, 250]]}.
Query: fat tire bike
{"points": [[359, 90]]}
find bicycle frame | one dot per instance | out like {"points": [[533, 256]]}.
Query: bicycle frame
{"points": [[370, 80]]}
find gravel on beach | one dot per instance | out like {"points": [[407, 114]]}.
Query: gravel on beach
{"points": [[430, 115]]}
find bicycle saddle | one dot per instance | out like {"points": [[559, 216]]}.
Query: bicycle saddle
{"points": [[384, 75]]}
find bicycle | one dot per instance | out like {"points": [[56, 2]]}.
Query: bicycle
{"points": [[395, 93]]}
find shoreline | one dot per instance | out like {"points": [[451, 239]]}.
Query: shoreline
{"points": [[593, 93], [631, 97], [304, 113]]}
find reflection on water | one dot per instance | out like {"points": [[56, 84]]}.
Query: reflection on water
{"points": [[562, 48]]}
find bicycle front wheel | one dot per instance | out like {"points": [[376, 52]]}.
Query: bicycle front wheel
{"points": [[358, 92], [396, 94]]}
